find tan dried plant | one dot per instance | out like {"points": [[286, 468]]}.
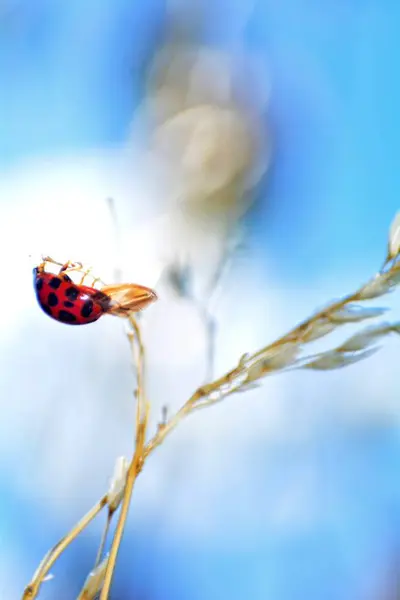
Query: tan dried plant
{"points": [[284, 354]]}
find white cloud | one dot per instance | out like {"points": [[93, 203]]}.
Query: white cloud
{"points": [[66, 398]]}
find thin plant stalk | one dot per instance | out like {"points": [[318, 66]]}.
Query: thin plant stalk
{"points": [[103, 540], [134, 470], [142, 414]]}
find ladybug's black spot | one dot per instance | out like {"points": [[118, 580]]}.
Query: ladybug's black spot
{"points": [[72, 293], [87, 309], [66, 278], [68, 304], [52, 299], [39, 284], [55, 283], [66, 317]]}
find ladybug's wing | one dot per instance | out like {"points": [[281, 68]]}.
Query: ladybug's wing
{"points": [[128, 297]]}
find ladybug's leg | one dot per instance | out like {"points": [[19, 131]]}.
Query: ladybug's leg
{"points": [[51, 261], [95, 279], [85, 274], [71, 266], [98, 280], [68, 266], [77, 266]]}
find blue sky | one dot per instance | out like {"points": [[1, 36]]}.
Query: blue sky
{"points": [[68, 81]]}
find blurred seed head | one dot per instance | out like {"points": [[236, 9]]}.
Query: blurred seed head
{"points": [[208, 137], [208, 144], [210, 149]]}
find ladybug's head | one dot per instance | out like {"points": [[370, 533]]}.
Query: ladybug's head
{"points": [[36, 278], [37, 271]]}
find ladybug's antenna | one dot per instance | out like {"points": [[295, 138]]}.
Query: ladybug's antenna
{"points": [[48, 259]]}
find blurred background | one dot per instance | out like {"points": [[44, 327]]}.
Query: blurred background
{"points": [[249, 147]]}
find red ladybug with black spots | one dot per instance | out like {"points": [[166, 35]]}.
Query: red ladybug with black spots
{"points": [[78, 304]]}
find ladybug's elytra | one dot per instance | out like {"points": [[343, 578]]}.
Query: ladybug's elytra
{"points": [[78, 304]]}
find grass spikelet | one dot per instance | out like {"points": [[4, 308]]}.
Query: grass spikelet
{"points": [[94, 582]]}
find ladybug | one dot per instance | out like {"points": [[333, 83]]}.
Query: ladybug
{"points": [[78, 304]]}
